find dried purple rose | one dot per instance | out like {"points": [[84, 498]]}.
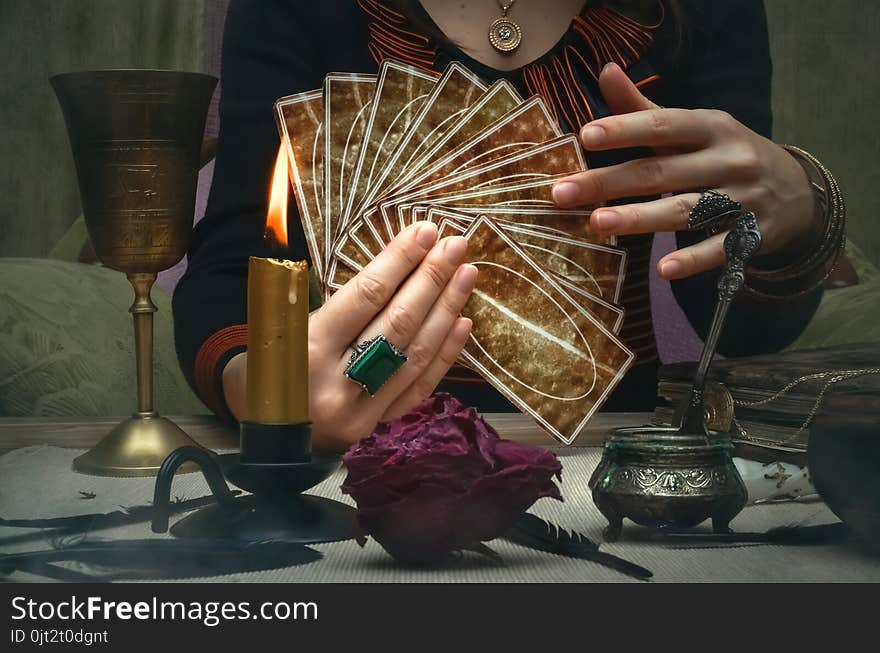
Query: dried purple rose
{"points": [[440, 479]]}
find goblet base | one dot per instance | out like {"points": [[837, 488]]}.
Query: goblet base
{"points": [[135, 447]]}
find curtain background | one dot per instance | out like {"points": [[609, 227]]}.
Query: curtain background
{"points": [[826, 94], [39, 197]]}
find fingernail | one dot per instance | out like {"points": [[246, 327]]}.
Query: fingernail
{"points": [[565, 193], [609, 66], [426, 235], [454, 248], [465, 324], [466, 278], [608, 220], [592, 135], [671, 269]]}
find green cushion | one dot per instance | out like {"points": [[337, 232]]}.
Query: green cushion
{"points": [[847, 315], [67, 343]]}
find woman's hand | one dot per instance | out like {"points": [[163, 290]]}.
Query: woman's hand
{"points": [[694, 150], [412, 293]]}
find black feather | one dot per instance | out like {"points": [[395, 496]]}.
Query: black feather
{"points": [[100, 521], [535, 533], [91, 523], [157, 559], [484, 550], [790, 535]]}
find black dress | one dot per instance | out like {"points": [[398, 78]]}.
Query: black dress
{"points": [[716, 57]]}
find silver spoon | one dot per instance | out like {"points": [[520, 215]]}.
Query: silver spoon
{"points": [[740, 245]]}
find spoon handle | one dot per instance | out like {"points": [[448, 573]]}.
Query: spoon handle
{"points": [[740, 245]]}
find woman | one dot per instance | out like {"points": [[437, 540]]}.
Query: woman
{"points": [[606, 68]]}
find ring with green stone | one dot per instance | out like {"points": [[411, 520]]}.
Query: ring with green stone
{"points": [[373, 362]]}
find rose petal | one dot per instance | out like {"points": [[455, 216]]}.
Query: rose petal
{"points": [[417, 529], [440, 478]]}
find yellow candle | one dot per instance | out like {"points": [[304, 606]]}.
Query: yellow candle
{"points": [[278, 353]]}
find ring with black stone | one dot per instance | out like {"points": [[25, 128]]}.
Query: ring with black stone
{"points": [[373, 362], [713, 213]]}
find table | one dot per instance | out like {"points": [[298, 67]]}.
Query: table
{"points": [[36, 481], [78, 433]]}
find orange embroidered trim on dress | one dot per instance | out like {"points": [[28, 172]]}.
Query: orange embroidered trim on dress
{"points": [[389, 39], [604, 36], [647, 80], [206, 374]]}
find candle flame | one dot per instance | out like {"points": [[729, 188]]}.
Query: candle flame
{"points": [[276, 217]]}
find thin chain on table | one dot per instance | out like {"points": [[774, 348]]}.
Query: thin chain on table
{"points": [[836, 376]]}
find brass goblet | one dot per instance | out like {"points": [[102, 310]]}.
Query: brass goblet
{"points": [[136, 137]]}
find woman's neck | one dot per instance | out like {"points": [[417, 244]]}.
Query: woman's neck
{"points": [[466, 23]]}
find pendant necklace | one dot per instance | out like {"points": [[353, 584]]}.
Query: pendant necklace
{"points": [[504, 34]]}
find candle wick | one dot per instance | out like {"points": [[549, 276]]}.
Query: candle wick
{"points": [[275, 249]]}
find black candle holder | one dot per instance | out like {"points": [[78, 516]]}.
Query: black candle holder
{"points": [[276, 465]]}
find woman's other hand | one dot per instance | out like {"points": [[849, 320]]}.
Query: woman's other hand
{"points": [[694, 150], [412, 293]]}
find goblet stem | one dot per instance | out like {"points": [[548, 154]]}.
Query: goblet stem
{"points": [[142, 311]]}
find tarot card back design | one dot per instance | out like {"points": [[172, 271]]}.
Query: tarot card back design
{"points": [[450, 98], [539, 246], [500, 99], [347, 99], [559, 156], [400, 92], [527, 125], [532, 342], [300, 121]]}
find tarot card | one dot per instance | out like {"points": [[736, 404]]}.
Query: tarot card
{"points": [[400, 92], [455, 91], [300, 121], [610, 315], [365, 234], [527, 195], [567, 223], [352, 252], [559, 156], [492, 106], [532, 342], [599, 270], [351, 248], [527, 125], [349, 257], [447, 226], [378, 228], [347, 99], [340, 274]]}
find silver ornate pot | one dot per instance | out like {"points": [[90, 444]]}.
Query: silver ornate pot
{"points": [[675, 478], [666, 481]]}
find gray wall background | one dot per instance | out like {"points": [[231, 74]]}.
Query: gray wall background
{"points": [[826, 94], [38, 38]]}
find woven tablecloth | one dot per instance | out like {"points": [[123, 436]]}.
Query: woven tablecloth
{"points": [[37, 482]]}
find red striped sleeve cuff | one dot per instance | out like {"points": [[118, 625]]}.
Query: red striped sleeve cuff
{"points": [[213, 355]]}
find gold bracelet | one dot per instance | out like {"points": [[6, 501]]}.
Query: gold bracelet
{"points": [[810, 271]]}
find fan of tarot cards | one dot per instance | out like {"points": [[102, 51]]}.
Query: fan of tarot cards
{"points": [[371, 154]]}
